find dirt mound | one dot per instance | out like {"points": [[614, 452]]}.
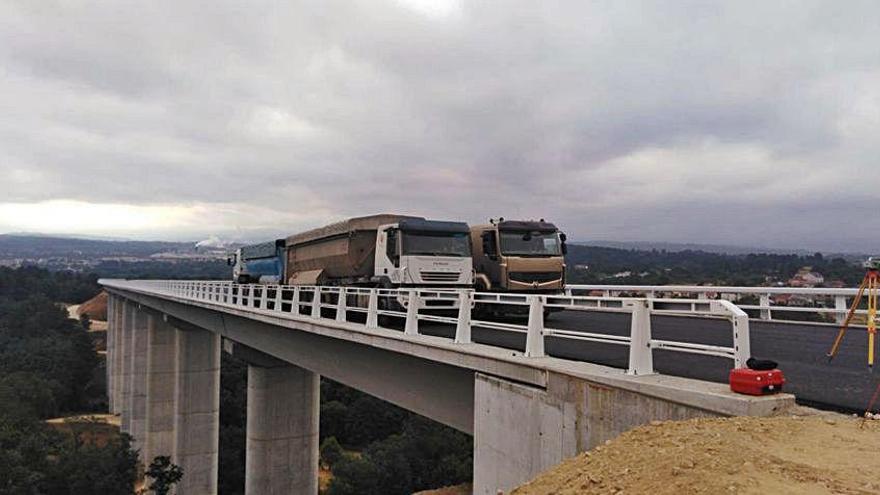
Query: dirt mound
{"points": [[813, 454], [96, 307], [463, 489]]}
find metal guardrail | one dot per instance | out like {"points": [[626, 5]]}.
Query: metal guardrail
{"points": [[766, 295], [307, 302]]}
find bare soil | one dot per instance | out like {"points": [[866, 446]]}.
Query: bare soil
{"points": [[91, 428], [463, 489], [96, 307], [782, 455]]}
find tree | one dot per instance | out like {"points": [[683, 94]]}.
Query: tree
{"points": [[164, 474], [84, 466], [355, 476], [331, 452], [85, 320]]}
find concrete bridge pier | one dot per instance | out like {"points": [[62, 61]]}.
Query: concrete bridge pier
{"points": [[282, 430], [138, 406], [116, 354], [108, 356], [197, 410], [161, 389], [126, 366]]}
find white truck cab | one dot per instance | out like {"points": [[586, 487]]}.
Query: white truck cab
{"points": [[424, 253]]}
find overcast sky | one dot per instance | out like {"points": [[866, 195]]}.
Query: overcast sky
{"points": [[750, 123]]}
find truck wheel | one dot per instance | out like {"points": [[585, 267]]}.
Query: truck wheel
{"points": [[385, 321]]}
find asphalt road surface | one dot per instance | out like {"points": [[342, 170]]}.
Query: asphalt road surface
{"points": [[800, 349]]}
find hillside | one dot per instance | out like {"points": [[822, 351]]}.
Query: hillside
{"points": [[27, 246]]}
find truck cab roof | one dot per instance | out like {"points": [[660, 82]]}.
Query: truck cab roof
{"points": [[520, 226], [422, 225]]}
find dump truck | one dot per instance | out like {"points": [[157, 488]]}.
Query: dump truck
{"points": [[259, 263], [519, 256], [385, 251]]}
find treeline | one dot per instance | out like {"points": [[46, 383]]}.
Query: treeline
{"points": [[177, 270], [660, 267], [21, 283], [48, 366]]}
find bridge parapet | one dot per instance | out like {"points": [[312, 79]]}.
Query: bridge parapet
{"points": [[818, 301], [378, 304]]}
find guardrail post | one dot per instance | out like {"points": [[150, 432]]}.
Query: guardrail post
{"points": [[742, 349], [294, 303], [316, 302], [341, 305], [842, 308], [463, 326], [765, 303], [412, 313], [279, 297], [641, 358], [264, 297], [373, 309], [535, 333]]}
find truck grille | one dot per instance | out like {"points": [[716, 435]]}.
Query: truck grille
{"points": [[530, 277], [440, 276]]}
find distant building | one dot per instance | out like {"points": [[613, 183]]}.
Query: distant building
{"points": [[806, 277]]}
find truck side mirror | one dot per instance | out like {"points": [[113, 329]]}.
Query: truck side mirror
{"points": [[563, 246], [230, 261], [489, 244]]}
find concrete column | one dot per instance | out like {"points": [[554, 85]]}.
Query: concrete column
{"points": [[197, 411], [127, 366], [138, 406], [161, 389], [282, 431], [108, 356], [118, 354]]}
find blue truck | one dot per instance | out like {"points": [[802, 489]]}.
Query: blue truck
{"points": [[259, 263]]}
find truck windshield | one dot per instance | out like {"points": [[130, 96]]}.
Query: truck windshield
{"points": [[530, 244], [437, 244]]}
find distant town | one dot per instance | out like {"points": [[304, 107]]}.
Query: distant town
{"points": [[85, 255]]}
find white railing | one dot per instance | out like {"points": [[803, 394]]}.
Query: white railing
{"points": [[825, 302], [409, 304]]}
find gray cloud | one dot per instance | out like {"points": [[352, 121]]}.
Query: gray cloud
{"points": [[741, 122]]}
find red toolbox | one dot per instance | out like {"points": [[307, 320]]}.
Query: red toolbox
{"points": [[756, 382]]}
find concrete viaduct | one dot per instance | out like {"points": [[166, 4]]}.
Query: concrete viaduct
{"points": [[525, 413]]}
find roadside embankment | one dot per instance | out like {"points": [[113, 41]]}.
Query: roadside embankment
{"points": [[825, 453]]}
